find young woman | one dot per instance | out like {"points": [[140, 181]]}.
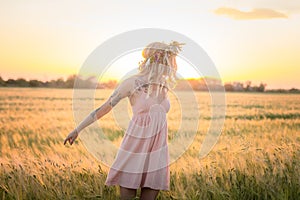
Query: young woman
{"points": [[142, 160]]}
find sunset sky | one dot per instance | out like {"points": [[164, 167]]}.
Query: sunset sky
{"points": [[256, 40]]}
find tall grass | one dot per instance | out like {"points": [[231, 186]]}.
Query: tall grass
{"points": [[256, 157]]}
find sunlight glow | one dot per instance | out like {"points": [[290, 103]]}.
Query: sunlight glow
{"points": [[128, 65], [47, 40]]}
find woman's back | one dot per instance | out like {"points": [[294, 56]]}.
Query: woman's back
{"points": [[141, 101]]}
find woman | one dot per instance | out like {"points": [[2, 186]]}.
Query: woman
{"points": [[142, 160]]}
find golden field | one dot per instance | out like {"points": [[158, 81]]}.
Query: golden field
{"points": [[257, 155]]}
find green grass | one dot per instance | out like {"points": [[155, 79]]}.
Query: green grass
{"points": [[256, 157], [73, 182]]}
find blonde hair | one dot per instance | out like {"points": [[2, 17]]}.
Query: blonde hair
{"points": [[160, 64]]}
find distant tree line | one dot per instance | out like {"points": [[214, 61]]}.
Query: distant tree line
{"points": [[247, 87], [89, 82], [200, 84], [212, 84]]}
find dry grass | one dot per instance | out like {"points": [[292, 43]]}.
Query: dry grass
{"points": [[256, 157]]}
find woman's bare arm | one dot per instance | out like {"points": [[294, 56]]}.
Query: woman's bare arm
{"points": [[101, 111], [122, 91]]}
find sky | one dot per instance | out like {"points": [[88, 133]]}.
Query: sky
{"points": [[256, 40]]}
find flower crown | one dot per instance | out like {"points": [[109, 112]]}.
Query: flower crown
{"points": [[174, 47], [160, 54]]}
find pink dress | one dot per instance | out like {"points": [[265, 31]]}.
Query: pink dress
{"points": [[143, 157]]}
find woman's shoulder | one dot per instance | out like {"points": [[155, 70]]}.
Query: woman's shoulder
{"points": [[131, 82], [132, 79], [135, 80]]}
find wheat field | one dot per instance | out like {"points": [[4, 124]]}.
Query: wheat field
{"points": [[257, 155]]}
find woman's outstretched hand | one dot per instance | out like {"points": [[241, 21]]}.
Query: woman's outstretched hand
{"points": [[71, 137]]}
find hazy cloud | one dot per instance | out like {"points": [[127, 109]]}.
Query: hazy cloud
{"points": [[257, 13]]}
